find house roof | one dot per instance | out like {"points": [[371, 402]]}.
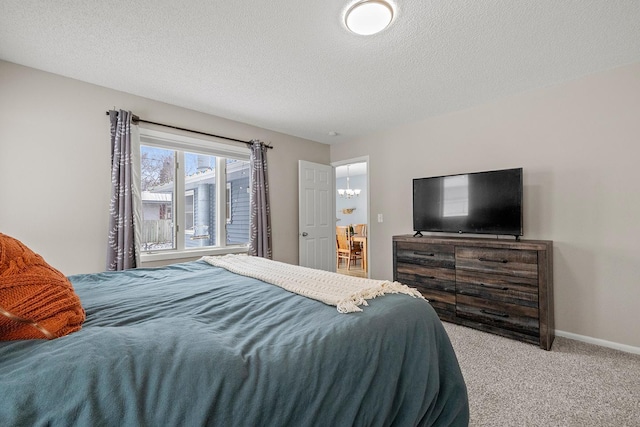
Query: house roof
{"points": [[149, 197], [292, 66], [203, 176]]}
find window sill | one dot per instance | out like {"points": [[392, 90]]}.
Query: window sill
{"points": [[193, 253]]}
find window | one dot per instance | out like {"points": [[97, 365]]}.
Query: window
{"points": [[194, 196]]}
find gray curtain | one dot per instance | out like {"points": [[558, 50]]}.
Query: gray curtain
{"points": [[121, 251], [260, 238]]}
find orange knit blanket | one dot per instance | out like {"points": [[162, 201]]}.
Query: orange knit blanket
{"points": [[36, 300]]}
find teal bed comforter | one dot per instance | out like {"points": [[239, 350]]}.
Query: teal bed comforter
{"points": [[194, 345]]}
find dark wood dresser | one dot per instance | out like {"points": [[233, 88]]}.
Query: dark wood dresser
{"points": [[495, 285]]}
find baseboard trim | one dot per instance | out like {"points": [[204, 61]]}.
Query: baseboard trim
{"points": [[596, 341]]}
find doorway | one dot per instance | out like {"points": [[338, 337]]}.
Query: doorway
{"points": [[352, 216]]}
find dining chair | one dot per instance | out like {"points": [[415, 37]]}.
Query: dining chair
{"points": [[359, 230], [344, 247]]}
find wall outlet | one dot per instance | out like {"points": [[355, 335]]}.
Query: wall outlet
{"points": [[379, 217]]}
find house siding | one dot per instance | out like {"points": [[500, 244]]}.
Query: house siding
{"points": [[238, 228]]}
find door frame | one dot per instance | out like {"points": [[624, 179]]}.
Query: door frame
{"points": [[361, 159]]}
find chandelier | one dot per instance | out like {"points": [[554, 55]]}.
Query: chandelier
{"points": [[348, 192]]}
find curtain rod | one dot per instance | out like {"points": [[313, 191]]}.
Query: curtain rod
{"points": [[136, 119]]}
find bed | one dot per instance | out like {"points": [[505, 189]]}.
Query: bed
{"points": [[193, 344]]}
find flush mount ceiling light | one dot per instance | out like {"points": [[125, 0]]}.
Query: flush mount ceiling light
{"points": [[369, 17]]}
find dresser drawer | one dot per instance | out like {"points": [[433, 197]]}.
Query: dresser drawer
{"points": [[503, 315], [426, 254], [436, 284], [443, 302], [521, 263], [510, 289], [438, 278], [444, 309]]}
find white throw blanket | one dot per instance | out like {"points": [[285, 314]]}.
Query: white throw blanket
{"points": [[347, 293]]}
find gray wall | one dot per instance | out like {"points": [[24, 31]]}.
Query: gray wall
{"points": [[579, 146], [55, 165]]}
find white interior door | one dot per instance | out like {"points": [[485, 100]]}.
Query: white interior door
{"points": [[316, 216]]}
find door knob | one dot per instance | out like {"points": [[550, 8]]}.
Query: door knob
{"points": [[305, 234]]}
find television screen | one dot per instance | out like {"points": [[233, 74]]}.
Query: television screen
{"points": [[480, 203]]}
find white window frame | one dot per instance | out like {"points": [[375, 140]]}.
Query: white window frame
{"points": [[210, 146], [190, 193], [228, 207]]}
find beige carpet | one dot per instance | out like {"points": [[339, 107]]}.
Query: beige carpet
{"points": [[575, 384]]}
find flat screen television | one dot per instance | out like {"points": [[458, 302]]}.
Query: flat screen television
{"points": [[479, 203]]}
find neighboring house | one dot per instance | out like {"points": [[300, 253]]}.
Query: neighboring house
{"points": [[200, 194]]}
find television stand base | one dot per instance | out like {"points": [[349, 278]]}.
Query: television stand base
{"points": [[418, 234]]}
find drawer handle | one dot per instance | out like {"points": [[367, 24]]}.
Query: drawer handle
{"points": [[424, 253], [494, 313], [503, 261], [500, 288]]}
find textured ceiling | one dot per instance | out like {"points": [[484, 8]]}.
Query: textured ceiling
{"points": [[291, 66]]}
